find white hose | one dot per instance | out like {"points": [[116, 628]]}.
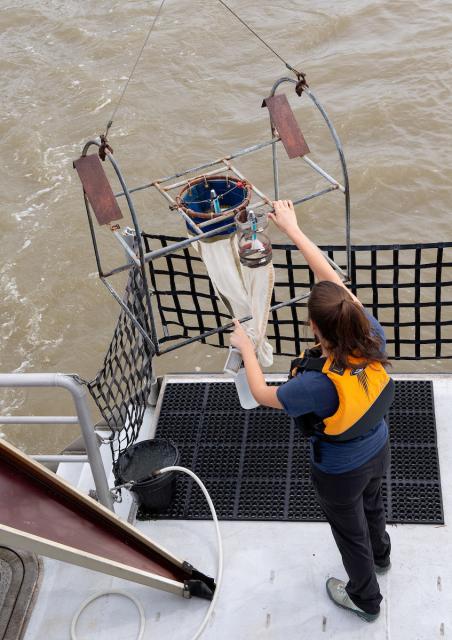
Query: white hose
{"points": [[136, 602], [99, 594], [220, 545]]}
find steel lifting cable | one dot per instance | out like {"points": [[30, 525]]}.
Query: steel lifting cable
{"points": [[300, 75], [151, 28]]}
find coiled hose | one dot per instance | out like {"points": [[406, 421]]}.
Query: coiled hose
{"points": [[138, 605]]}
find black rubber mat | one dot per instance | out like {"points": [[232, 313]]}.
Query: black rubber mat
{"points": [[255, 464]]}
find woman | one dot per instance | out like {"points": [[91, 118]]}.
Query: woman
{"points": [[339, 393]]}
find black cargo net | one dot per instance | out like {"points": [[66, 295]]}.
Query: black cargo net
{"points": [[408, 288], [121, 388]]}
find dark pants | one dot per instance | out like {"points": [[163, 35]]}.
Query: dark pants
{"points": [[353, 506]]}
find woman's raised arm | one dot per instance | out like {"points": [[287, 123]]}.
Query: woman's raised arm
{"points": [[285, 219]]}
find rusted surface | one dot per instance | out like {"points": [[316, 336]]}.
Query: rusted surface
{"points": [[104, 147], [283, 120], [98, 189], [37, 502], [301, 84]]}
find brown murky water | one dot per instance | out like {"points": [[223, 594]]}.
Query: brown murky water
{"points": [[381, 69]]}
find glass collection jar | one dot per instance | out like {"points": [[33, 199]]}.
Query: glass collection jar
{"points": [[255, 248]]}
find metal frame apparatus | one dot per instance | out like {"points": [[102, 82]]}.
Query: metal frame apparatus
{"points": [[100, 199]]}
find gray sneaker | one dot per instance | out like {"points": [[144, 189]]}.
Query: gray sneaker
{"points": [[382, 568], [336, 591]]}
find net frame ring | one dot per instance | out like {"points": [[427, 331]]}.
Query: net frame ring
{"points": [[194, 199]]}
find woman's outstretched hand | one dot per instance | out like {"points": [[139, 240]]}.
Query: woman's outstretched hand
{"points": [[284, 216], [239, 337]]}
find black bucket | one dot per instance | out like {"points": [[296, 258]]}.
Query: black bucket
{"points": [[138, 463]]}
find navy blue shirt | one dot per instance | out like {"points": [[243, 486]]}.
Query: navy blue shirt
{"points": [[314, 392]]}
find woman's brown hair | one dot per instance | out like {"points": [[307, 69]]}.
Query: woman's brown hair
{"points": [[344, 326]]}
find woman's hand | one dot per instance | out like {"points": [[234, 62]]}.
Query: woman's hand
{"points": [[239, 338], [261, 392], [284, 216]]}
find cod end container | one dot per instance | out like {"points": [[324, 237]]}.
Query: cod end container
{"points": [[195, 199]]}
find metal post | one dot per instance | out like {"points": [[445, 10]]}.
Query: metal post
{"points": [[154, 394], [38, 420], [340, 151], [127, 311], [179, 209], [128, 249], [79, 396], [61, 458], [175, 185], [346, 188], [142, 265], [158, 253], [323, 173], [237, 154], [275, 161], [229, 325], [130, 240], [260, 193]]}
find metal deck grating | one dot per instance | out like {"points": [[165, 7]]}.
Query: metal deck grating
{"points": [[255, 464]]}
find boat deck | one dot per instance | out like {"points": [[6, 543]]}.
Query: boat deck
{"points": [[274, 576]]}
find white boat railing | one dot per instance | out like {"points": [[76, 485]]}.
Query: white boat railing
{"points": [[43, 459], [79, 395]]}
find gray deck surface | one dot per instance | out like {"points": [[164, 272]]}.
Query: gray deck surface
{"points": [[274, 579]]}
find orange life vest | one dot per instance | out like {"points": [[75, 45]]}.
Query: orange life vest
{"points": [[365, 395]]}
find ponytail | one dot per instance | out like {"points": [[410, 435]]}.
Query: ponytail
{"points": [[344, 326]]}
